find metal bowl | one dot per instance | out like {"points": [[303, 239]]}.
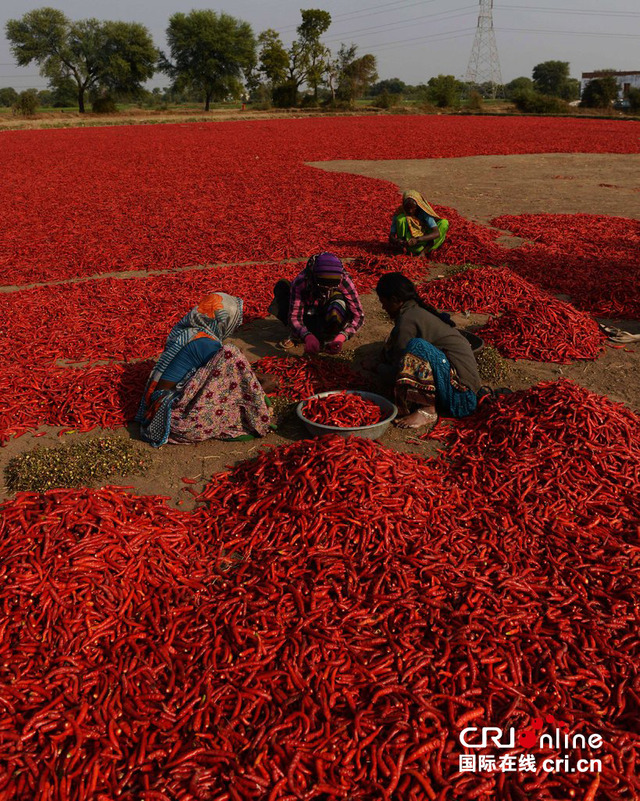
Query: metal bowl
{"points": [[390, 410]]}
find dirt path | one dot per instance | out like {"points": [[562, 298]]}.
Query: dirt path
{"points": [[479, 188]]}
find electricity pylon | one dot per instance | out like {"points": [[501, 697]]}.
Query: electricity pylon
{"points": [[484, 64]]}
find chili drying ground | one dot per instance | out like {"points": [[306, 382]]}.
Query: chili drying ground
{"points": [[166, 212], [332, 619], [537, 605]]}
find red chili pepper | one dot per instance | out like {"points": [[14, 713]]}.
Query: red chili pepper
{"points": [[342, 409]]}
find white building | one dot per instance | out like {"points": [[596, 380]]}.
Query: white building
{"points": [[625, 80]]}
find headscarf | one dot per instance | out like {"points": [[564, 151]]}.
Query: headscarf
{"points": [[216, 316], [324, 267], [415, 226]]}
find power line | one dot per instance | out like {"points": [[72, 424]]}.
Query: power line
{"points": [[367, 12], [580, 12], [435, 37], [570, 33], [403, 24]]}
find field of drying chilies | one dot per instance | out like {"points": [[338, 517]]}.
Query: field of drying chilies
{"points": [[335, 619]]}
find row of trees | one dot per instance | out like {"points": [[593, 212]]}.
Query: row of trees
{"points": [[212, 54], [551, 86]]}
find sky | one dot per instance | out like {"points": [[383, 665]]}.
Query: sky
{"points": [[413, 40]]}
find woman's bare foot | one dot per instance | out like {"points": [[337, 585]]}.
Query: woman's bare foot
{"points": [[418, 419]]}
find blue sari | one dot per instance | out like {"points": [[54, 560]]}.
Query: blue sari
{"points": [[426, 377]]}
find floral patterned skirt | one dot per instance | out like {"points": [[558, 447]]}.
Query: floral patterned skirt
{"points": [[222, 400]]}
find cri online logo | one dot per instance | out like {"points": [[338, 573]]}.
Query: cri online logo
{"points": [[530, 737]]}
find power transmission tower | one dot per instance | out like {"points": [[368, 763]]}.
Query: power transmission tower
{"points": [[484, 64]]}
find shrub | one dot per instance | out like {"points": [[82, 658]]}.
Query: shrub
{"points": [[387, 100], [536, 103], [104, 105], [634, 100], [285, 96], [8, 96], [26, 104], [444, 91], [600, 92], [309, 101], [475, 101]]}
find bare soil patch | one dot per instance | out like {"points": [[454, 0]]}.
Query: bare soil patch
{"points": [[483, 187], [480, 188]]}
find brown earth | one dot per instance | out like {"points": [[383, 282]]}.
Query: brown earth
{"points": [[480, 188], [143, 116]]}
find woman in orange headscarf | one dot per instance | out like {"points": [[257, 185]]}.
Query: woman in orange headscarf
{"points": [[201, 387], [416, 228]]}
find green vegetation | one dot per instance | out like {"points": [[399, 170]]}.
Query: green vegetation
{"points": [[537, 103], [445, 91], [209, 53], [26, 103], [552, 78], [95, 56], [600, 92], [81, 464]]}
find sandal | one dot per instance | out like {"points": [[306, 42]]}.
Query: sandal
{"points": [[287, 344], [618, 335]]}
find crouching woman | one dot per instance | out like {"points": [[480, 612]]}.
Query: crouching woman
{"points": [[200, 387], [430, 362]]}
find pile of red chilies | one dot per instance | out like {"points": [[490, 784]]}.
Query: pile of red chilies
{"points": [[481, 290], [303, 376], [333, 618], [535, 325], [591, 258], [105, 395], [343, 409], [549, 330]]}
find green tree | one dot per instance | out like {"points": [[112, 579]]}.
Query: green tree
{"points": [[93, 54], [45, 98], [315, 55], [27, 103], [273, 59], [210, 52], [600, 92], [392, 86], [517, 85], [309, 59], [444, 91], [8, 96], [552, 78], [354, 74], [633, 97], [64, 92]]}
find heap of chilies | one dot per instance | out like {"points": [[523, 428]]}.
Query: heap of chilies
{"points": [[303, 376], [342, 409], [592, 258], [165, 211], [331, 620], [535, 325]]}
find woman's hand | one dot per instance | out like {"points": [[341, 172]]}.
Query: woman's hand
{"points": [[335, 346], [311, 344]]}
